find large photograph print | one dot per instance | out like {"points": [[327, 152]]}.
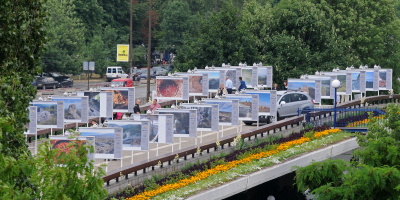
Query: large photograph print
{"points": [[195, 84], [382, 79], [65, 145], [120, 99], [213, 79], [342, 78], [132, 134], [264, 101], [107, 143], [46, 114], [325, 85], [94, 102], [307, 86], [184, 124], [247, 75], [204, 116], [172, 88], [231, 73], [161, 129], [245, 106], [228, 112], [75, 108]]}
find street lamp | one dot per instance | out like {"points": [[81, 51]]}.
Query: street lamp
{"points": [[335, 84]]}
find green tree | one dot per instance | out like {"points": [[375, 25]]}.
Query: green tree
{"points": [[66, 38], [375, 176], [220, 40], [22, 38]]}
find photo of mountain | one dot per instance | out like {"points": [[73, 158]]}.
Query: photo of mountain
{"points": [[104, 139], [203, 116], [245, 105], [181, 121], [302, 85], [72, 108], [355, 79], [264, 100], [94, 103], [225, 110], [131, 133], [46, 113]]}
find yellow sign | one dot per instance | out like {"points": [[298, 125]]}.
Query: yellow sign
{"points": [[122, 53]]}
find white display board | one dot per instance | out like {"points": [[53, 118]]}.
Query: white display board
{"points": [[161, 127], [50, 114], [108, 141], [207, 116], [172, 88], [185, 121], [228, 110], [123, 98], [135, 134]]}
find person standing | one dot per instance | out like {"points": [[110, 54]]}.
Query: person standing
{"points": [[229, 85], [136, 109], [242, 84], [275, 87], [285, 85], [154, 106]]}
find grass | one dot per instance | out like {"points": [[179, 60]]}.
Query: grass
{"points": [[255, 165]]}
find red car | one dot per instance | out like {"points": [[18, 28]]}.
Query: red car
{"points": [[121, 82]]}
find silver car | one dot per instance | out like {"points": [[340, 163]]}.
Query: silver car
{"points": [[290, 101]]}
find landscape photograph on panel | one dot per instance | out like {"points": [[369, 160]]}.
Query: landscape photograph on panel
{"points": [[226, 112], [121, 98], [325, 85], [74, 108], [262, 76], [107, 141], [247, 75], [341, 76], [132, 138], [161, 129], [94, 102], [213, 79], [303, 85], [170, 87], [46, 113], [204, 115], [245, 105], [195, 83], [65, 144], [183, 120], [264, 101]]}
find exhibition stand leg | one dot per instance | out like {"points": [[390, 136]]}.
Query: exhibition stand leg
{"points": [[180, 142], [132, 158], [106, 165], [222, 130], [201, 137], [378, 92], [258, 123], [122, 160], [157, 150], [148, 155]]}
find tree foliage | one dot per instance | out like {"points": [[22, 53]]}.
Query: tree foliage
{"points": [[375, 175], [22, 38]]}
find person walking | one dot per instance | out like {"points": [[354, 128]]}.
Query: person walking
{"points": [[154, 106], [242, 84], [229, 85], [136, 109]]}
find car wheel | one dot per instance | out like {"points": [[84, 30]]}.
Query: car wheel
{"points": [[248, 123]]}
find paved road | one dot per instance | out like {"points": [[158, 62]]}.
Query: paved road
{"points": [[82, 86]]}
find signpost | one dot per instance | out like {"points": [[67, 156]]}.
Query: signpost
{"points": [[88, 66]]}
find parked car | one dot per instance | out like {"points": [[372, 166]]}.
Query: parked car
{"points": [[63, 81], [121, 82], [114, 72], [143, 74], [288, 102], [45, 82]]}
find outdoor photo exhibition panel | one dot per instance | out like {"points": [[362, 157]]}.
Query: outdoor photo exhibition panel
{"points": [[341, 76], [135, 134], [185, 121], [64, 144], [76, 109], [50, 114], [327, 91], [100, 103], [232, 74], [32, 125], [228, 111], [207, 116], [248, 106], [311, 87], [198, 83], [250, 76], [108, 141], [266, 101], [353, 80], [161, 127], [123, 98], [371, 79], [172, 88], [264, 76], [385, 79], [215, 77]]}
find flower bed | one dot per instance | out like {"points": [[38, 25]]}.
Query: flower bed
{"points": [[215, 166]]}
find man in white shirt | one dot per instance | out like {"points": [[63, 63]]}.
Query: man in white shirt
{"points": [[229, 85]]}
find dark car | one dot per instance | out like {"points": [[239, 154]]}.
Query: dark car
{"points": [[45, 82], [63, 81]]}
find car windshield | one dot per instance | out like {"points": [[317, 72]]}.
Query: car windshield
{"points": [[54, 75], [41, 78], [118, 83]]}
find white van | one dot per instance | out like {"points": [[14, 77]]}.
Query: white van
{"points": [[114, 72]]}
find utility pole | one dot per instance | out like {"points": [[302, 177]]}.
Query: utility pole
{"points": [[149, 53], [130, 40]]}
